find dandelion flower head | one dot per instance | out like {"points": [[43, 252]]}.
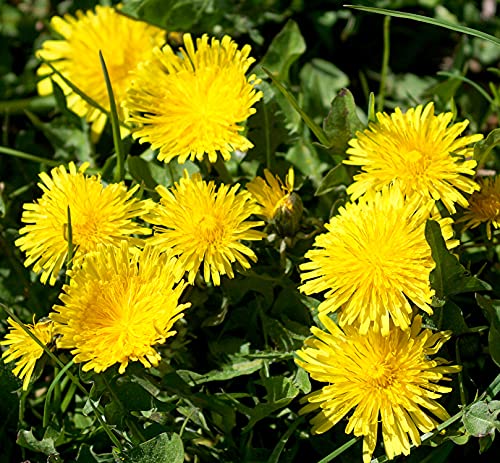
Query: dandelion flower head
{"points": [[118, 306], [205, 226], [373, 261], [76, 56], [193, 104], [484, 206], [418, 148], [390, 380], [99, 214], [271, 193], [24, 349]]}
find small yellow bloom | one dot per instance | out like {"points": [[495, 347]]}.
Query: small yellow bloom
{"points": [[118, 306], [374, 261], [278, 202], [24, 349], [191, 105], [124, 43], [271, 193], [205, 226], [389, 380], [484, 206], [418, 149], [99, 214]]}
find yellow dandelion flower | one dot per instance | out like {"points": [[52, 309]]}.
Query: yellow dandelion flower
{"points": [[193, 104], [420, 150], [76, 57], [271, 193], [386, 379], [203, 225], [373, 261], [279, 204], [24, 349], [118, 306], [484, 206], [99, 214]]}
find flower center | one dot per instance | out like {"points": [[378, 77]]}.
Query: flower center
{"points": [[86, 231], [383, 374], [211, 230], [488, 206], [414, 156]]}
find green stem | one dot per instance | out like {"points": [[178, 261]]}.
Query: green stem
{"points": [[385, 64], [69, 257], [460, 375], [221, 169], [340, 450], [267, 136], [37, 104], [29, 157]]}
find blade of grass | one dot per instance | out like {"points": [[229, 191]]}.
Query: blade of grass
{"points": [[48, 396], [275, 456], [340, 450], [28, 157], [115, 124], [468, 81], [385, 64], [69, 257], [80, 93], [425, 19], [315, 128]]}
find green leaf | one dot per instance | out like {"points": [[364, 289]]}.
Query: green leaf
{"points": [[491, 309], [320, 81], [303, 154], [27, 440], [302, 381], [452, 318], [433, 21], [69, 142], [141, 171], [282, 335], [449, 277], [115, 124], [238, 365], [342, 122], [86, 454], [280, 392], [484, 147], [481, 418], [284, 50], [315, 128], [338, 175], [173, 15], [485, 442], [161, 449]]}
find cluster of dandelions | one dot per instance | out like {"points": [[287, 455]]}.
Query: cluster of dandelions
{"points": [[192, 108], [126, 279], [128, 260], [373, 268]]}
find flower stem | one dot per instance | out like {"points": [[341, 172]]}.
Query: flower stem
{"points": [[340, 450], [385, 64], [221, 169], [37, 104], [29, 157]]}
